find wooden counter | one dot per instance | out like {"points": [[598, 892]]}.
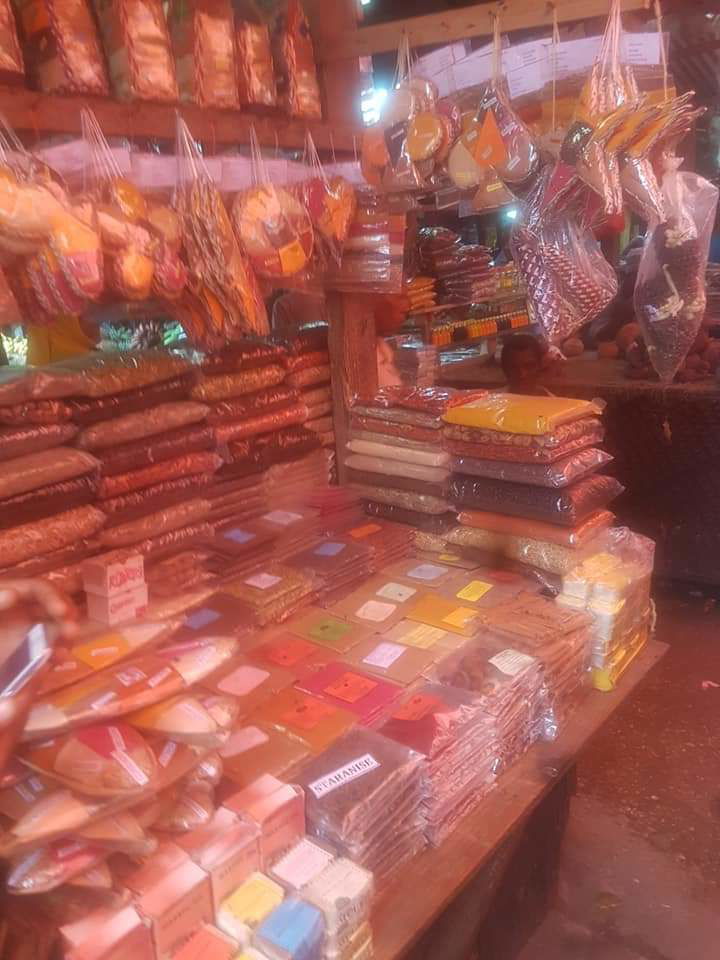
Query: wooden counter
{"points": [[427, 912]]}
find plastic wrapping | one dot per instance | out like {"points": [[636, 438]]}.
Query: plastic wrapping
{"points": [[103, 374], [156, 448], [523, 450], [380, 431], [48, 501], [535, 553], [137, 45], [427, 456], [256, 76], [273, 226], [62, 49], [568, 508], [266, 423], [130, 506], [32, 439], [370, 699], [253, 404], [136, 426], [432, 400], [332, 205], [279, 446], [393, 468], [243, 355], [294, 930], [36, 470], [44, 870], [203, 40], [560, 473], [188, 465], [363, 796], [670, 296], [433, 523], [294, 59], [271, 592], [310, 721], [419, 502], [38, 413], [87, 412], [572, 537], [254, 899], [36, 539], [309, 377], [11, 60], [518, 414], [398, 417], [224, 386], [155, 524]]}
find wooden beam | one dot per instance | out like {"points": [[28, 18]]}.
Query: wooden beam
{"points": [[475, 21], [28, 110]]}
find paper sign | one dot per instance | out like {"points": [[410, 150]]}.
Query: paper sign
{"points": [[376, 612], [359, 533], [329, 549], [422, 636], [398, 592], [474, 591], [385, 654], [460, 617], [427, 571], [243, 681], [351, 687], [263, 581], [417, 707], [511, 662], [302, 864], [338, 778], [283, 518]]}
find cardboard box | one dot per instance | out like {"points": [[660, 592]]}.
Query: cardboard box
{"points": [[227, 849], [279, 811], [139, 879], [108, 934], [107, 576], [174, 904], [119, 607]]}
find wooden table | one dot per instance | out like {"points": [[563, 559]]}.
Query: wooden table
{"points": [[488, 886]]}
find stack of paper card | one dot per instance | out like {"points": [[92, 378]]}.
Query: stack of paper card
{"points": [[335, 564], [364, 795], [369, 698], [460, 740], [272, 592]]}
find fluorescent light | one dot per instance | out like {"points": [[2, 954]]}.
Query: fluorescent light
{"points": [[370, 104], [511, 213]]}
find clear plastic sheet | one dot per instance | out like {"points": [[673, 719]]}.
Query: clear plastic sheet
{"points": [[37, 412], [380, 430], [156, 448], [432, 400], [226, 386], [309, 376], [164, 521], [47, 501], [670, 296], [195, 808], [535, 553], [419, 502], [136, 426], [203, 41], [62, 49], [429, 456], [130, 506], [438, 523], [394, 468], [560, 473], [243, 355], [265, 423], [573, 537], [36, 470], [185, 466], [32, 439], [568, 507], [519, 414], [253, 404], [137, 45], [87, 412]]}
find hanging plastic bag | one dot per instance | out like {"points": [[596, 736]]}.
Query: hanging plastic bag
{"points": [[331, 203], [225, 302], [11, 59], [256, 74], [670, 294], [297, 83], [203, 39], [272, 224]]}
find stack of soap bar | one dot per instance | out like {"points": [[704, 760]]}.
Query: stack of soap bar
{"points": [[277, 808], [459, 739], [364, 796], [293, 931], [343, 892], [248, 906], [115, 588]]}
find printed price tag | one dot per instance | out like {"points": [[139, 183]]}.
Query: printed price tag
{"points": [[398, 592]]}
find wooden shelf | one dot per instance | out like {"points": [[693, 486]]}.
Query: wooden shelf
{"points": [[40, 113], [474, 21], [429, 883]]}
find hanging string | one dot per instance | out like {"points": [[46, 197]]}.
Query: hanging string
{"points": [[497, 47], [555, 47], [332, 148]]}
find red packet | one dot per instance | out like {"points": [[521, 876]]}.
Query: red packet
{"points": [[338, 684]]}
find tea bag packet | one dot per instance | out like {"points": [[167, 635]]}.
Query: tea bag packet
{"points": [[293, 930]]}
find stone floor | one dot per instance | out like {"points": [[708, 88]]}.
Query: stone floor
{"points": [[641, 866]]}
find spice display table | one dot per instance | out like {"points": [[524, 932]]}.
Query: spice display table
{"points": [[667, 455], [490, 883]]}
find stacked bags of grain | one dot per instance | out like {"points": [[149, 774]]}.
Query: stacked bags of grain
{"points": [[525, 479], [395, 458], [309, 372], [156, 455]]}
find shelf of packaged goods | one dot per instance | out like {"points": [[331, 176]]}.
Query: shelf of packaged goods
{"points": [[501, 297], [39, 113]]}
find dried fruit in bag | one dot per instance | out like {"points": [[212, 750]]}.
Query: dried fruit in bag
{"points": [[256, 74], [203, 40], [294, 58], [275, 230], [62, 48], [137, 45]]}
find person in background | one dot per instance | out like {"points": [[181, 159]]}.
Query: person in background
{"points": [[523, 360]]}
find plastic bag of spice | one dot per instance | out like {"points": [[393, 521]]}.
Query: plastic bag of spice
{"points": [[203, 40], [11, 61], [294, 58]]}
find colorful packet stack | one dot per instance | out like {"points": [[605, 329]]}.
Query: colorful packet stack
{"points": [[336, 683], [463, 271], [460, 741], [294, 481], [417, 363], [295, 930], [343, 892], [334, 564], [338, 507], [531, 458], [364, 796], [387, 541], [509, 685], [613, 587], [273, 592]]}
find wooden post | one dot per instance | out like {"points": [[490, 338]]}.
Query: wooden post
{"points": [[353, 360]]}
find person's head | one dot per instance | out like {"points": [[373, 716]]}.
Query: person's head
{"points": [[521, 360]]}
